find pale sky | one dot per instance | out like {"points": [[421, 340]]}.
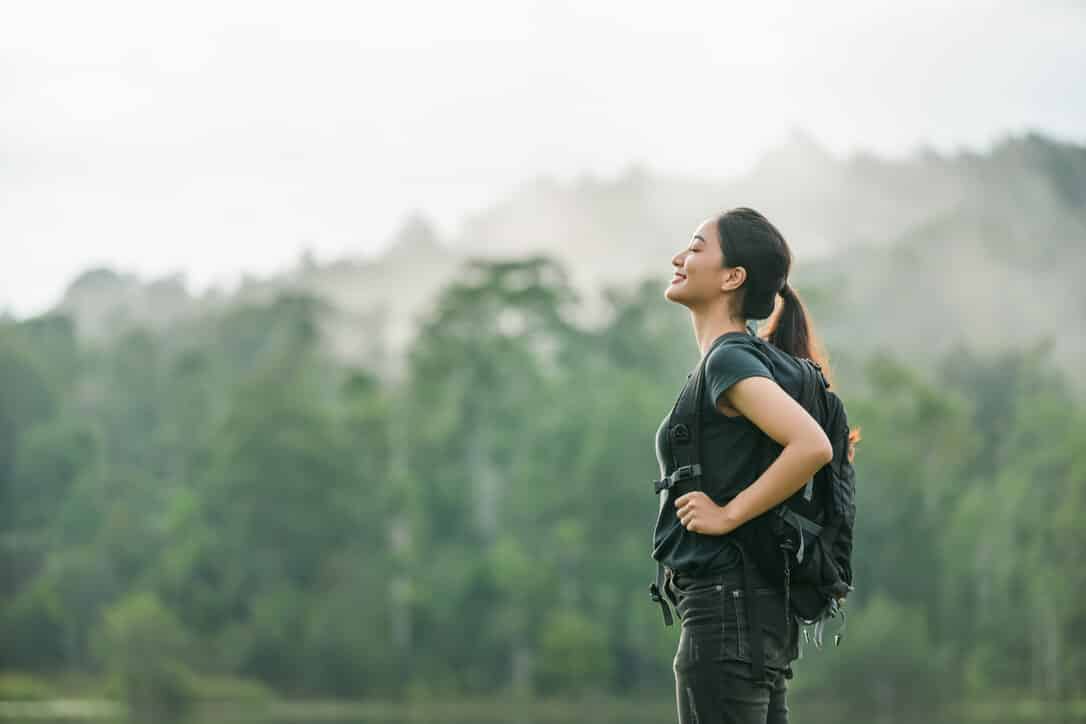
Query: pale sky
{"points": [[212, 138]]}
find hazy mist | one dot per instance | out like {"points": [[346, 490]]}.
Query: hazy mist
{"points": [[220, 138]]}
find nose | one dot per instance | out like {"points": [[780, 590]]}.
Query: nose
{"points": [[677, 260]]}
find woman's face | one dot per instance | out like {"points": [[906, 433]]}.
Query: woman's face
{"points": [[700, 276]]}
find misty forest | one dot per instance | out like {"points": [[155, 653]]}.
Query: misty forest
{"points": [[427, 474]]}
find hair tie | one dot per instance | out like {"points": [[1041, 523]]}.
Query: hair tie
{"points": [[785, 291]]}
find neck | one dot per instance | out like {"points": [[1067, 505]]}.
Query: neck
{"points": [[711, 323]]}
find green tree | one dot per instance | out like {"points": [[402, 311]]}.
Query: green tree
{"points": [[145, 648]]}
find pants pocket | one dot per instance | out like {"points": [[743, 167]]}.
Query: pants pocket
{"points": [[701, 606], [690, 587]]}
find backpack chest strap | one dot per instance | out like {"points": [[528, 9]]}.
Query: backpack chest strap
{"points": [[686, 472]]}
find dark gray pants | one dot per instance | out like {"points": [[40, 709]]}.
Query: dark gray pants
{"points": [[713, 683]]}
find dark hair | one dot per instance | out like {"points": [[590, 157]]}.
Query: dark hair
{"points": [[749, 240]]}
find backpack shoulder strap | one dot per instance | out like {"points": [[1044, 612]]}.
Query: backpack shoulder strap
{"points": [[684, 441], [684, 427]]}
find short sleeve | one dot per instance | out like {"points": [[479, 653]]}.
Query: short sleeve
{"points": [[730, 363]]}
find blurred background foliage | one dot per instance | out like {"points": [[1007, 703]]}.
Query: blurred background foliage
{"points": [[228, 499]]}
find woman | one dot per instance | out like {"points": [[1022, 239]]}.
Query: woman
{"points": [[731, 272]]}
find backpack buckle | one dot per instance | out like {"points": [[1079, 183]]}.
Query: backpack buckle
{"points": [[684, 473]]}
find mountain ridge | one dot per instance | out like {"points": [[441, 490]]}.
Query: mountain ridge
{"points": [[980, 246]]}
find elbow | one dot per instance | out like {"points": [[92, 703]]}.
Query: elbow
{"points": [[822, 451]]}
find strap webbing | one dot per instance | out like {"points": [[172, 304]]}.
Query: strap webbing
{"points": [[657, 590], [682, 473], [684, 443], [754, 619]]}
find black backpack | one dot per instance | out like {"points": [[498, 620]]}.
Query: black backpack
{"points": [[802, 546]]}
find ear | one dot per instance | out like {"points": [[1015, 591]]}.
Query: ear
{"points": [[733, 278]]}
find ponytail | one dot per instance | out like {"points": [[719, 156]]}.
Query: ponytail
{"points": [[748, 239], [789, 329]]}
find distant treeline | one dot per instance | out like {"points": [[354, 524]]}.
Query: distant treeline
{"points": [[222, 498]]}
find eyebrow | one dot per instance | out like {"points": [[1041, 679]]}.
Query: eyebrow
{"points": [[698, 237]]}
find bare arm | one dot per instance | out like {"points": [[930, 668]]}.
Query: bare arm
{"points": [[806, 449]]}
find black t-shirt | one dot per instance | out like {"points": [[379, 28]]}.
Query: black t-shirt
{"points": [[734, 453]]}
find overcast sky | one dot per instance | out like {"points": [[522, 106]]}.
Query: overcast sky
{"points": [[214, 138]]}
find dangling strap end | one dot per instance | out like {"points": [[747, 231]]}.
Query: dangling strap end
{"points": [[757, 654], [655, 592]]}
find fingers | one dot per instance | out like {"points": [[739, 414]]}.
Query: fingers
{"points": [[687, 505], [687, 497], [686, 515]]}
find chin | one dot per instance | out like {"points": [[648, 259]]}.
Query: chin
{"points": [[672, 294]]}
